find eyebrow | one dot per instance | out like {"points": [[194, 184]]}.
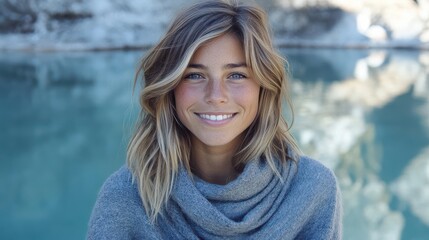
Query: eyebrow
{"points": [[227, 66]]}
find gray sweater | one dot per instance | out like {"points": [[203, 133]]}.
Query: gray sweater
{"points": [[256, 205]]}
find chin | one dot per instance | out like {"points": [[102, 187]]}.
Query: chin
{"points": [[217, 141]]}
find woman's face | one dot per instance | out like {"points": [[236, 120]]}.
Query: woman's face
{"points": [[217, 98]]}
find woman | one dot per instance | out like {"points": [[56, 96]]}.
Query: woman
{"points": [[212, 157]]}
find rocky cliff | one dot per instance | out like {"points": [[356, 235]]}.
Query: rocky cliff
{"points": [[92, 24]]}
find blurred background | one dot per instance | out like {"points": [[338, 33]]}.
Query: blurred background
{"points": [[359, 79]]}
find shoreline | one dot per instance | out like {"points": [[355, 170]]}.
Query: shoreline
{"points": [[279, 44]]}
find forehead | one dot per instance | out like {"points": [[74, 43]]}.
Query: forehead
{"points": [[226, 47]]}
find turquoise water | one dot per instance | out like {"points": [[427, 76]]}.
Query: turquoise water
{"points": [[65, 119]]}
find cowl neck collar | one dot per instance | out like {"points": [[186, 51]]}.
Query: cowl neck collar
{"points": [[235, 209]]}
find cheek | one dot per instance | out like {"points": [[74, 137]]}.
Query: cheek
{"points": [[184, 98], [250, 99]]}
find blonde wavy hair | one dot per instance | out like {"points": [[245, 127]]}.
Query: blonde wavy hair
{"points": [[161, 143]]}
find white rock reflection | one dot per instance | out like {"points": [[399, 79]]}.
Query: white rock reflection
{"points": [[421, 90], [421, 86], [412, 186], [324, 130], [383, 223], [331, 126], [376, 86]]}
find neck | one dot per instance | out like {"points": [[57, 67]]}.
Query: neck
{"points": [[213, 164]]}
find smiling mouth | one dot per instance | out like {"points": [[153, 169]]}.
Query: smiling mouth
{"points": [[215, 117]]}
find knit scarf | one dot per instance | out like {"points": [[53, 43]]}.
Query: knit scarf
{"points": [[304, 203], [240, 209]]}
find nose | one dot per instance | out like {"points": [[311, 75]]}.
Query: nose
{"points": [[216, 92]]}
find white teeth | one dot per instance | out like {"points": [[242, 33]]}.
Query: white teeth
{"points": [[215, 117]]}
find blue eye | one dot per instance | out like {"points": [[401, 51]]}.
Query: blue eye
{"points": [[194, 76], [237, 76]]}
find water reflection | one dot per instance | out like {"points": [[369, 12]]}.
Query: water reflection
{"points": [[65, 119], [347, 121]]}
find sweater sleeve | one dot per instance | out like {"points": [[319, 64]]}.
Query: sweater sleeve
{"points": [[329, 216], [118, 213], [326, 222]]}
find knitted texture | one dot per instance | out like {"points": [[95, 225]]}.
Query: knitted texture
{"points": [[305, 204]]}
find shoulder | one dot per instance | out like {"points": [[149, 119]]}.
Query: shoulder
{"points": [[119, 181], [118, 208], [313, 170], [316, 177], [319, 193], [119, 190]]}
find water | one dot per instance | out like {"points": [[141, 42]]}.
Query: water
{"points": [[365, 114], [65, 119]]}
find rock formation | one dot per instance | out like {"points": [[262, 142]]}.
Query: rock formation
{"points": [[92, 24]]}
